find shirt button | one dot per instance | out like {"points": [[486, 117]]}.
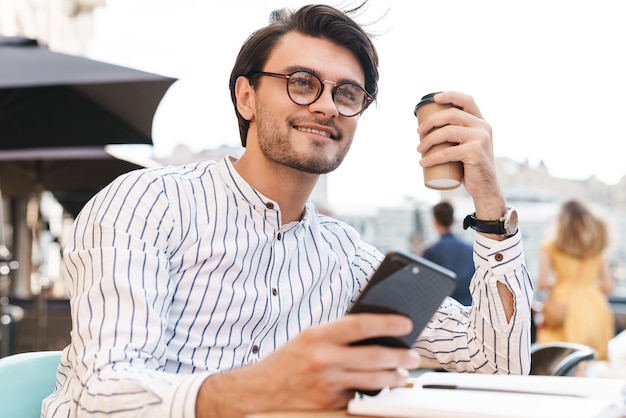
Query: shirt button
{"points": [[499, 257], [279, 236], [269, 205], [255, 349], [274, 291]]}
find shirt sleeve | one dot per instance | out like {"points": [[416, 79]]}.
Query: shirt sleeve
{"points": [[123, 390], [479, 338], [118, 269]]}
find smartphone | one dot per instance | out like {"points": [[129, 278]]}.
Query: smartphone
{"points": [[409, 285]]}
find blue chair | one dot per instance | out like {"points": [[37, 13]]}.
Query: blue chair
{"points": [[25, 380]]}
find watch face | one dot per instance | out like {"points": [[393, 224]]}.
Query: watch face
{"points": [[511, 224]]}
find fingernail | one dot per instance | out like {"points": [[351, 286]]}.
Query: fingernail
{"points": [[407, 325], [402, 371], [415, 359]]}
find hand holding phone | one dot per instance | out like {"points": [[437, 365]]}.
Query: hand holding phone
{"points": [[409, 285]]}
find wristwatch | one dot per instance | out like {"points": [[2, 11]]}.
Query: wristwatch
{"points": [[505, 226]]}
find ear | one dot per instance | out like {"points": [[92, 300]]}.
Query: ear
{"points": [[244, 93]]}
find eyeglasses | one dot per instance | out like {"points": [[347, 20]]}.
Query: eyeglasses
{"points": [[304, 88]]}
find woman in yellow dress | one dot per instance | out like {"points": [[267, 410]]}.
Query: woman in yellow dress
{"points": [[574, 267]]}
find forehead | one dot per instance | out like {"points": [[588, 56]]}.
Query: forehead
{"points": [[331, 61]]}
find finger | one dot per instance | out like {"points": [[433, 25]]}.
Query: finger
{"points": [[450, 134], [437, 121], [377, 357], [460, 100], [470, 152], [460, 128], [360, 326], [376, 380]]}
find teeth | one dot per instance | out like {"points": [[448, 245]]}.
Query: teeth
{"points": [[314, 131]]}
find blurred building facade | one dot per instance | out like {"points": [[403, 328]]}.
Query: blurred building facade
{"points": [[62, 25], [535, 193]]}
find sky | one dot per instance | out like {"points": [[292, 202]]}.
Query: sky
{"points": [[549, 76]]}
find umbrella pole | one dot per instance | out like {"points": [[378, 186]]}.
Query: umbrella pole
{"points": [[5, 268], [33, 221], [5, 318]]}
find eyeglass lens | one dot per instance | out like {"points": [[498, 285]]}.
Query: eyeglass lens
{"points": [[305, 88]]}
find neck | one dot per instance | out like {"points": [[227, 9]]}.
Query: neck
{"points": [[442, 230], [286, 186]]}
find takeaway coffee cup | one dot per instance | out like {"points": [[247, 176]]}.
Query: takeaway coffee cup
{"points": [[445, 176]]}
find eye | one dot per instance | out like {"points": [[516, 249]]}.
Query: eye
{"points": [[349, 93], [303, 83]]}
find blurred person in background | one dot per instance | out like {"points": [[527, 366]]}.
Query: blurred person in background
{"points": [[573, 266], [451, 252]]}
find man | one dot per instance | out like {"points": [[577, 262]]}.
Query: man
{"points": [[451, 252], [216, 289]]}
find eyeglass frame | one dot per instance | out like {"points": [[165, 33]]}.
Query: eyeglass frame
{"points": [[367, 100]]}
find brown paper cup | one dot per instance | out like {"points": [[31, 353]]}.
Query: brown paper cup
{"points": [[442, 176]]}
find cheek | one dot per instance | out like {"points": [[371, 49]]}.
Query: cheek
{"points": [[274, 96], [347, 144], [349, 130], [274, 107]]}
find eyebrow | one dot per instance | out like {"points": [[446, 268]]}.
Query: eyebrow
{"points": [[294, 68]]}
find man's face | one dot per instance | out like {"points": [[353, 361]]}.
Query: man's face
{"points": [[312, 138]]}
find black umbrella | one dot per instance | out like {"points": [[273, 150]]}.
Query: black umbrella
{"points": [[76, 169], [57, 113], [73, 174], [50, 99]]}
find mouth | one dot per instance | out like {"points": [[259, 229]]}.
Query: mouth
{"points": [[326, 133]]}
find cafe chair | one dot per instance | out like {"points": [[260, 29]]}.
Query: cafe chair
{"points": [[25, 380], [559, 358]]}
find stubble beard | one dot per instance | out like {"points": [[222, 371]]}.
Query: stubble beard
{"points": [[275, 144]]}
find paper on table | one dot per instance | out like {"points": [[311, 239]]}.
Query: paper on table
{"points": [[610, 389], [442, 403], [497, 396]]}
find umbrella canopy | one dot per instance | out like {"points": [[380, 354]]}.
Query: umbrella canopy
{"points": [[74, 175], [49, 99], [59, 111], [77, 169]]}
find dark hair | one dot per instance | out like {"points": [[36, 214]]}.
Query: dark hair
{"points": [[316, 20], [444, 214]]}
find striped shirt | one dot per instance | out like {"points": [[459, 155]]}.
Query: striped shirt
{"points": [[177, 273]]}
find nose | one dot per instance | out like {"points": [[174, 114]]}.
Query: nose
{"points": [[325, 104]]}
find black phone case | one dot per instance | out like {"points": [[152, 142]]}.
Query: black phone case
{"points": [[409, 285]]}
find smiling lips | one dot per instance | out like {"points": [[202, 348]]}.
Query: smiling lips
{"points": [[314, 131]]}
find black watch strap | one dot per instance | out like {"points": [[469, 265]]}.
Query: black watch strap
{"points": [[487, 227], [506, 226]]}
